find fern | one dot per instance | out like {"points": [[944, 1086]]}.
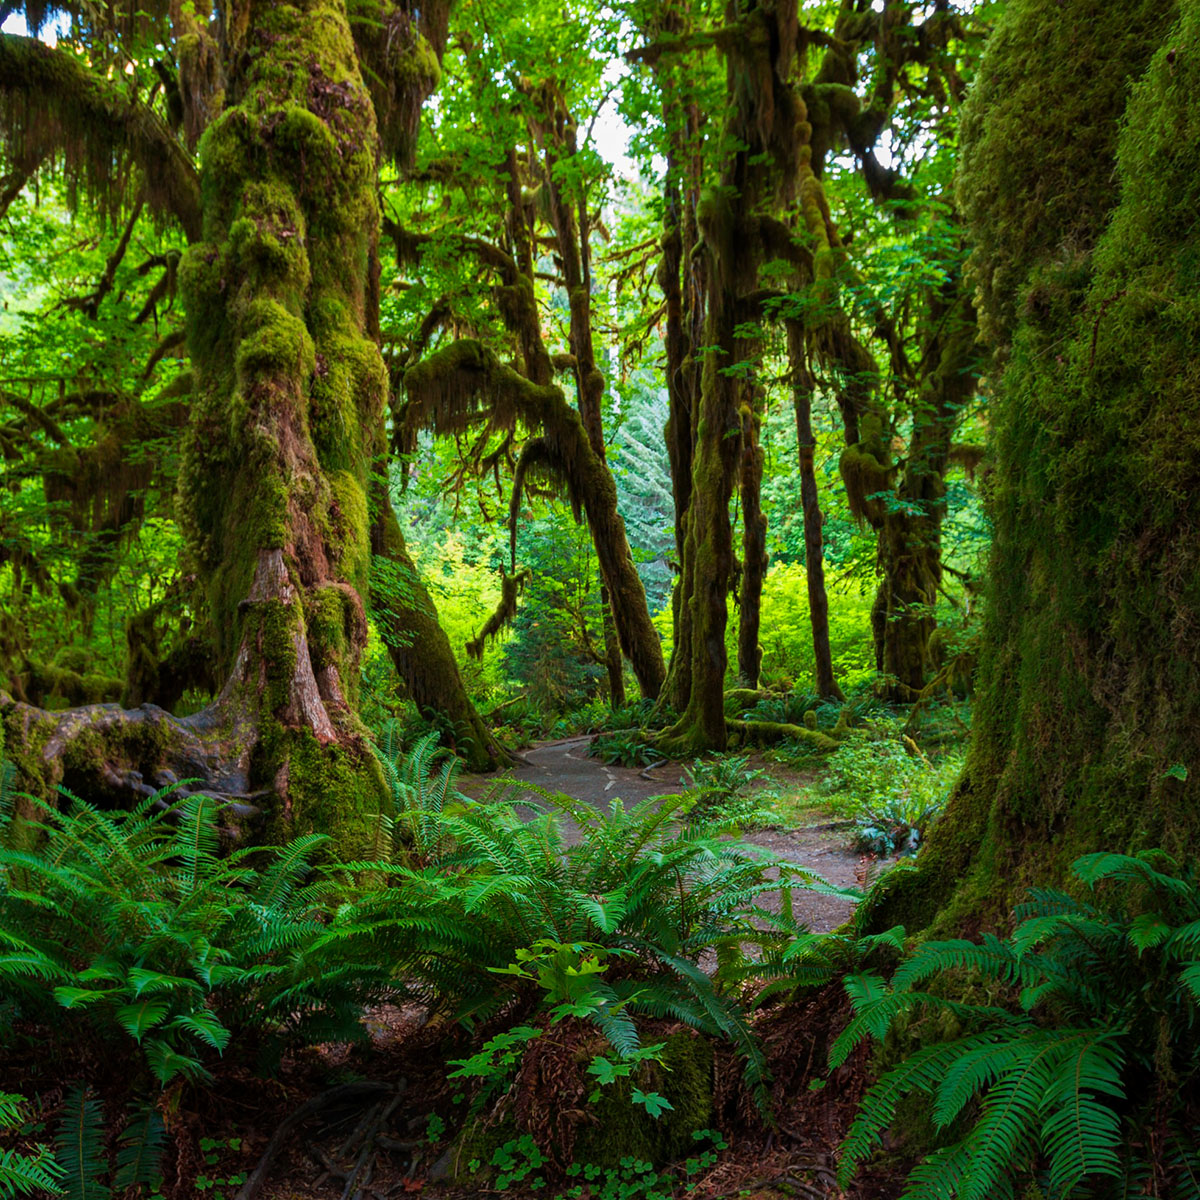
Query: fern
{"points": [[24, 1173], [79, 1147], [475, 886], [139, 1152], [1100, 980], [135, 923]]}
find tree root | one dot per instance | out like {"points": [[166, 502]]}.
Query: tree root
{"points": [[362, 1142], [763, 733], [119, 754]]}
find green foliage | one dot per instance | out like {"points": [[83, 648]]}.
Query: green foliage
{"points": [[423, 784], [786, 636], [129, 929], [501, 912], [520, 1161], [729, 791], [626, 748], [880, 780], [79, 1145], [25, 1172], [1088, 1088]]}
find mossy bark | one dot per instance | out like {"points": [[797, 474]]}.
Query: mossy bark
{"points": [[910, 530], [1087, 702], [681, 278], [762, 127], [824, 678], [754, 546], [289, 398]]}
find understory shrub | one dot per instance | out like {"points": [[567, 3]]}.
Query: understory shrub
{"points": [[490, 912], [729, 792], [881, 781], [1087, 1085]]}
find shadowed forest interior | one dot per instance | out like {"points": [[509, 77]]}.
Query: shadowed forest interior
{"points": [[600, 600]]}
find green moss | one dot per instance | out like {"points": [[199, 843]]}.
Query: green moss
{"points": [[1087, 685], [337, 789], [622, 1128], [352, 547], [24, 744], [274, 342], [1039, 134]]}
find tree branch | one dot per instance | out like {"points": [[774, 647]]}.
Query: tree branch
{"points": [[51, 97]]}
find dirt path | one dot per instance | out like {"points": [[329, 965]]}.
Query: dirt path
{"points": [[564, 766]]}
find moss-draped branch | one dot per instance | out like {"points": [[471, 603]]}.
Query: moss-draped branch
{"points": [[464, 385], [51, 97]]}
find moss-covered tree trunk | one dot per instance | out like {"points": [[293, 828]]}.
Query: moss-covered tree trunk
{"points": [[680, 275], [910, 530], [419, 647], [286, 421], [289, 397], [1088, 702], [754, 546], [824, 678], [464, 384], [762, 132]]}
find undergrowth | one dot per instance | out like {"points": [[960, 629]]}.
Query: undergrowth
{"points": [[1086, 1086], [892, 791]]}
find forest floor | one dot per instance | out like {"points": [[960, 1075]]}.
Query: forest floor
{"points": [[225, 1128], [796, 1159], [808, 838]]}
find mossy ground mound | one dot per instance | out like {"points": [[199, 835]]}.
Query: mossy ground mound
{"points": [[550, 1103]]}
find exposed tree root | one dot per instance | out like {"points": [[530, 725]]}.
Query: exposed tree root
{"points": [[384, 1098], [764, 733], [115, 754]]}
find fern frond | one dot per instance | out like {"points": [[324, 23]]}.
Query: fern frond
{"points": [[139, 1151], [25, 1175], [920, 1072], [79, 1147]]}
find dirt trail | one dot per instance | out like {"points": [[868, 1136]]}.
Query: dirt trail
{"points": [[564, 766]]}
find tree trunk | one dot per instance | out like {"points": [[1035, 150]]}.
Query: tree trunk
{"points": [[290, 390], [814, 553], [680, 276], [763, 130], [754, 547], [613, 663], [418, 646], [1087, 703], [910, 535]]}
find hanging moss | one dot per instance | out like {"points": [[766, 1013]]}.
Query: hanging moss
{"points": [[511, 587], [464, 385], [50, 97], [865, 478]]}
